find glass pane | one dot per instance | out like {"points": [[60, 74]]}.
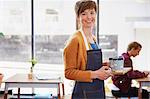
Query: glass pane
{"points": [[15, 30], [109, 45], [54, 23]]}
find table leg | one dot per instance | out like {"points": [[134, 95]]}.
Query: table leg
{"points": [[59, 97], [6, 91], [5, 94], [140, 91], [18, 93], [63, 89]]}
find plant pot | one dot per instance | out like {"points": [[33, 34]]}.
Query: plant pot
{"points": [[30, 75], [1, 78]]}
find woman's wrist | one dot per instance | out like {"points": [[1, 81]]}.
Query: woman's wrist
{"points": [[93, 75]]}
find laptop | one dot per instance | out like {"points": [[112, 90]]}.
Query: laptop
{"points": [[47, 76], [117, 66]]}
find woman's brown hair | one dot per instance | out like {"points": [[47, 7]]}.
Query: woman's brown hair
{"points": [[83, 5]]}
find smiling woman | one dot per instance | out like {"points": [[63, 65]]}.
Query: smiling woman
{"points": [[85, 66]]}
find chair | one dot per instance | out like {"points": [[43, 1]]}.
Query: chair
{"points": [[1, 89], [117, 94]]}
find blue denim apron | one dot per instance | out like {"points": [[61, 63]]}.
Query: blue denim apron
{"points": [[95, 89]]}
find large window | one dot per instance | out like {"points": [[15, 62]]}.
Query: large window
{"points": [[54, 22], [52, 19]]}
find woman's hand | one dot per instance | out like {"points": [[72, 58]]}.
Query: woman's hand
{"points": [[106, 64], [103, 73]]}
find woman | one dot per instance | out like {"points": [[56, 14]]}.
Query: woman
{"points": [[83, 57]]}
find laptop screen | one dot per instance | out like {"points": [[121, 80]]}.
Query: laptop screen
{"points": [[116, 63]]}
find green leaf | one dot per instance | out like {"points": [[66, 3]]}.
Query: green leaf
{"points": [[1, 34], [33, 61]]}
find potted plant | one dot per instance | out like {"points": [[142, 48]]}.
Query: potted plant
{"points": [[33, 62]]}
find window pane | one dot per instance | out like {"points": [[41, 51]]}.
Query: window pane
{"points": [[49, 48], [15, 27], [54, 23], [109, 45]]}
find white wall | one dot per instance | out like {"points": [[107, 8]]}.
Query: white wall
{"points": [[143, 60], [114, 19]]}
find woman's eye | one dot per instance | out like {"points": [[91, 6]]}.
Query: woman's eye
{"points": [[92, 13], [83, 14]]}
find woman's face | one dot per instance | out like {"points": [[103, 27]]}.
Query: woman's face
{"points": [[87, 18]]}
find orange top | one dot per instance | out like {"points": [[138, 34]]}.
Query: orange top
{"points": [[75, 58]]}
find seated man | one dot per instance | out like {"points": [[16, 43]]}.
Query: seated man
{"points": [[123, 82]]}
